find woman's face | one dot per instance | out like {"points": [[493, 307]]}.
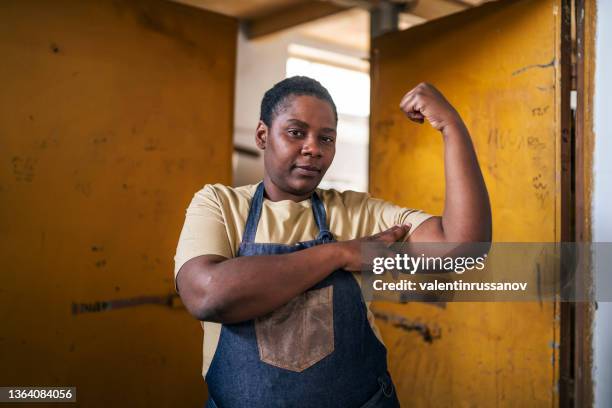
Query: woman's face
{"points": [[299, 146]]}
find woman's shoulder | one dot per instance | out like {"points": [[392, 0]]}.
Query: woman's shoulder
{"points": [[348, 199], [357, 202], [224, 194], [245, 191]]}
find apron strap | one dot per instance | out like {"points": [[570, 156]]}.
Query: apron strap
{"points": [[318, 210], [254, 213]]}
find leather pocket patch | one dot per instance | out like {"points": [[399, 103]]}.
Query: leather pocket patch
{"points": [[300, 333]]}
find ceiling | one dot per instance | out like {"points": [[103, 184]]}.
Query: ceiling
{"points": [[345, 23], [243, 9]]}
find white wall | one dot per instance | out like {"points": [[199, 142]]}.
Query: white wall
{"points": [[602, 198], [260, 64]]}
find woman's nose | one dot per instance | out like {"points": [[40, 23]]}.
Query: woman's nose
{"points": [[311, 147]]}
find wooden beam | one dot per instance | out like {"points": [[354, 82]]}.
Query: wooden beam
{"points": [[432, 9], [585, 15], [290, 17]]}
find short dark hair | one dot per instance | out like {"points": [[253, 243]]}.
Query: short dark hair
{"points": [[275, 97]]}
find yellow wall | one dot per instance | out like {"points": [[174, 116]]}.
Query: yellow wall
{"points": [[112, 114], [498, 64]]}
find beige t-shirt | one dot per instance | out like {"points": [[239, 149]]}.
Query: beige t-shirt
{"points": [[216, 218]]}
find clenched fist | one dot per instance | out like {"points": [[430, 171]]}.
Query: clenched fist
{"points": [[425, 102]]}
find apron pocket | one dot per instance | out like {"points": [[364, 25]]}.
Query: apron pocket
{"points": [[300, 333]]}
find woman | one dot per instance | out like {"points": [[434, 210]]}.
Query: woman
{"points": [[269, 268]]}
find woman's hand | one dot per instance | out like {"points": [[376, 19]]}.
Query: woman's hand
{"points": [[351, 251], [425, 102]]}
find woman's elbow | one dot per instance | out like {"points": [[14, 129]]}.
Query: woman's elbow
{"points": [[210, 302], [202, 296], [208, 312], [205, 306]]}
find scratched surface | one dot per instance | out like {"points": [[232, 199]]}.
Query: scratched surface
{"points": [[498, 65], [112, 114]]}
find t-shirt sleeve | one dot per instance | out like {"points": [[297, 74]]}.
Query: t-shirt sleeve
{"points": [[204, 231], [387, 214]]}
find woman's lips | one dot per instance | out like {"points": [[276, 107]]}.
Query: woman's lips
{"points": [[308, 171]]}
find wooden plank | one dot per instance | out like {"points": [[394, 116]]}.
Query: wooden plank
{"points": [[567, 309], [585, 12], [112, 115], [500, 65]]}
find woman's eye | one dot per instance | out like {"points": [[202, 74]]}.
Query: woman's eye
{"points": [[295, 132], [328, 139]]}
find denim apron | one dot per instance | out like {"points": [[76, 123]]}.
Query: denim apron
{"points": [[318, 350]]}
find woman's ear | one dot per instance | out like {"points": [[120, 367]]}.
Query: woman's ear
{"points": [[261, 135]]}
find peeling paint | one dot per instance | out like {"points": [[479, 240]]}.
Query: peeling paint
{"points": [[171, 300], [528, 67], [429, 334]]}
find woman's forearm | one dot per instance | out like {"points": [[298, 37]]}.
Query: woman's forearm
{"points": [[467, 212], [214, 288], [244, 288]]}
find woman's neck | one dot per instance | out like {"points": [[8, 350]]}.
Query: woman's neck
{"points": [[274, 193]]}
